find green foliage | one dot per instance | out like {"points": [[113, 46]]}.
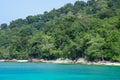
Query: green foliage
{"points": [[3, 26], [85, 29], [17, 23], [95, 48], [106, 13]]}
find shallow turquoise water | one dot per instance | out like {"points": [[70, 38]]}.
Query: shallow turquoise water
{"points": [[44, 71]]}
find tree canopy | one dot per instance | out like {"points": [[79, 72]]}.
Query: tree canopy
{"points": [[90, 30]]}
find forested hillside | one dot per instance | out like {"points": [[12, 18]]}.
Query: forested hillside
{"points": [[90, 30]]}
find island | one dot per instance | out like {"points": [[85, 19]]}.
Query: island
{"points": [[83, 32]]}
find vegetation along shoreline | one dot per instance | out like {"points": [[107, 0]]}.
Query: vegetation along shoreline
{"points": [[81, 30]]}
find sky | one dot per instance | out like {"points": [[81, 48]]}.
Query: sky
{"points": [[14, 9]]}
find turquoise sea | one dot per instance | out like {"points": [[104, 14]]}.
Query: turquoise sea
{"points": [[47, 71]]}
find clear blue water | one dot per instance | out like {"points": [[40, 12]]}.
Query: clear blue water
{"points": [[46, 71]]}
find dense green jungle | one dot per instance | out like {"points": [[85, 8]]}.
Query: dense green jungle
{"points": [[89, 30]]}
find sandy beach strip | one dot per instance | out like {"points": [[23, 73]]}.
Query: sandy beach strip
{"points": [[65, 61]]}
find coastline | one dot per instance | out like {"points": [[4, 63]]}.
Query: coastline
{"points": [[65, 61]]}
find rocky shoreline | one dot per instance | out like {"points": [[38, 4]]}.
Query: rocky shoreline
{"points": [[65, 61]]}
